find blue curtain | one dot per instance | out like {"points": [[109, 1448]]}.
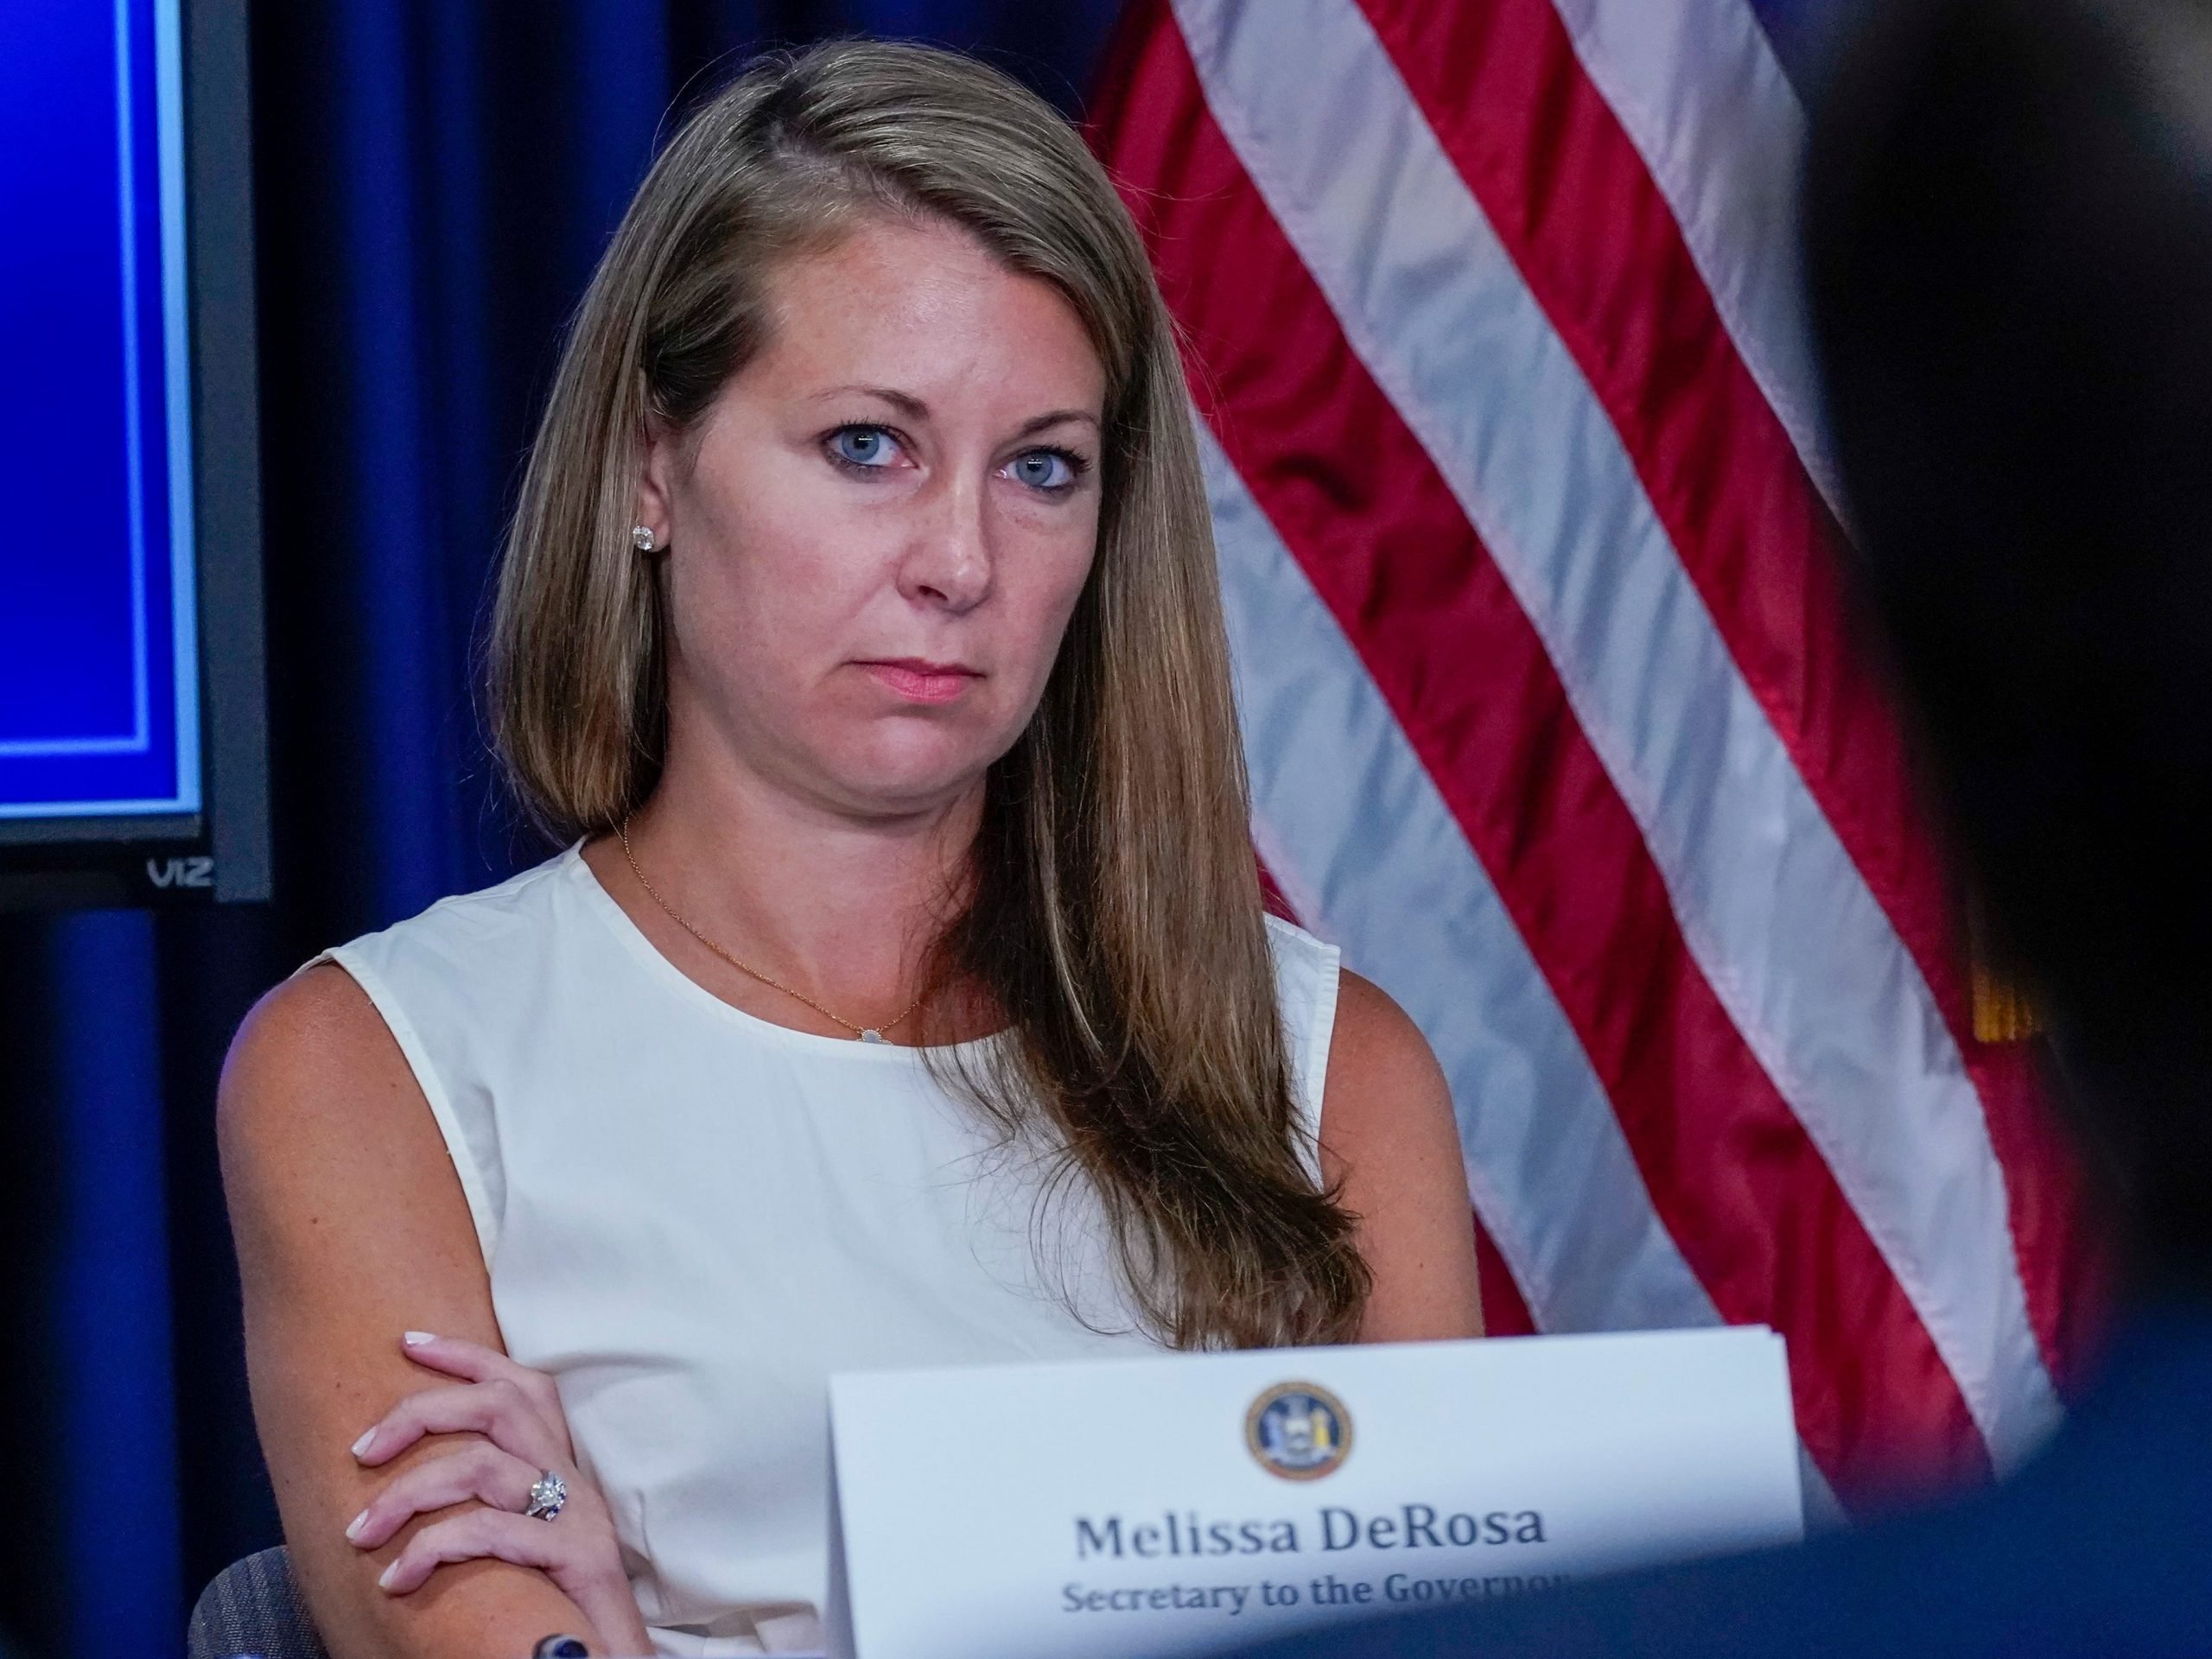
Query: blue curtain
{"points": [[1800, 31], [434, 178]]}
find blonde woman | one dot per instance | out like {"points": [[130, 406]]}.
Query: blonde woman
{"points": [[904, 996]]}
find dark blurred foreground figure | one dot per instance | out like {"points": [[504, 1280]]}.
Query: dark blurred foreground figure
{"points": [[2009, 245]]}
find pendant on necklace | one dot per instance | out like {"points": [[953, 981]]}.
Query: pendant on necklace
{"points": [[871, 1035]]}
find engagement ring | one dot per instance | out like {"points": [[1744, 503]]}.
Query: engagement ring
{"points": [[547, 1496]]}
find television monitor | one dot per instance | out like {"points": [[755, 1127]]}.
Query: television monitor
{"points": [[133, 762]]}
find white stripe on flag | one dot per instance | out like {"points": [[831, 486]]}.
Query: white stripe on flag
{"points": [[1771, 906], [1355, 832], [1352, 826], [1698, 89]]}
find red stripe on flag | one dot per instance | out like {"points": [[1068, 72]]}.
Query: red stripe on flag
{"points": [[1505, 1311], [1748, 1199], [1571, 199]]}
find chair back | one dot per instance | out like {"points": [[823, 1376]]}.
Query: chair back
{"points": [[253, 1606]]}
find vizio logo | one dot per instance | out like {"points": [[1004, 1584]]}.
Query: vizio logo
{"points": [[180, 872]]}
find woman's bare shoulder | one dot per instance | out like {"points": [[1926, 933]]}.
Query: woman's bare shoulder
{"points": [[312, 1044], [321, 1004], [327, 1142], [1384, 1094], [1377, 1039], [1390, 1143]]}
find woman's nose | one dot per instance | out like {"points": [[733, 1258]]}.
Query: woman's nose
{"points": [[948, 561]]}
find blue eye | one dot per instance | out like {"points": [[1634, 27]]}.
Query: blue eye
{"points": [[1053, 471], [868, 447]]}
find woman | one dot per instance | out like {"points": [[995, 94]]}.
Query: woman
{"points": [[905, 995]]}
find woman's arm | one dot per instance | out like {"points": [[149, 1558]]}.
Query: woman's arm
{"points": [[1388, 1136], [350, 1228]]}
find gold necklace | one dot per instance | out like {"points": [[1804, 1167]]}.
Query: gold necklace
{"points": [[865, 1034]]}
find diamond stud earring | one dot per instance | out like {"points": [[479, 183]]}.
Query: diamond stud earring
{"points": [[642, 538]]}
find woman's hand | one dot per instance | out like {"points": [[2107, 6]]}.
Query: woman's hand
{"points": [[518, 1412]]}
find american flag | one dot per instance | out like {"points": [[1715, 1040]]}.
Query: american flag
{"points": [[1557, 717]]}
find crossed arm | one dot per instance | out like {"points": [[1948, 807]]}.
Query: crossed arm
{"points": [[352, 1229]]}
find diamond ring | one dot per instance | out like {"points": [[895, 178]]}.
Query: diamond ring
{"points": [[547, 1496]]}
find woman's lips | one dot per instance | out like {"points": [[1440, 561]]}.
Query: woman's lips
{"points": [[922, 682]]}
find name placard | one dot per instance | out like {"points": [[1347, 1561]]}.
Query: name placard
{"points": [[1171, 1504]]}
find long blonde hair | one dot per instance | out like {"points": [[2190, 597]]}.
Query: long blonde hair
{"points": [[1116, 915]]}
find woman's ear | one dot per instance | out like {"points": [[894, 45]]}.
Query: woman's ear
{"points": [[655, 508]]}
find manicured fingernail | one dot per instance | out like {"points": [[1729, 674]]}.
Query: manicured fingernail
{"points": [[362, 1445], [416, 1339], [354, 1527], [385, 1578]]}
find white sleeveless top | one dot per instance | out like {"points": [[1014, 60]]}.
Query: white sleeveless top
{"points": [[692, 1217]]}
